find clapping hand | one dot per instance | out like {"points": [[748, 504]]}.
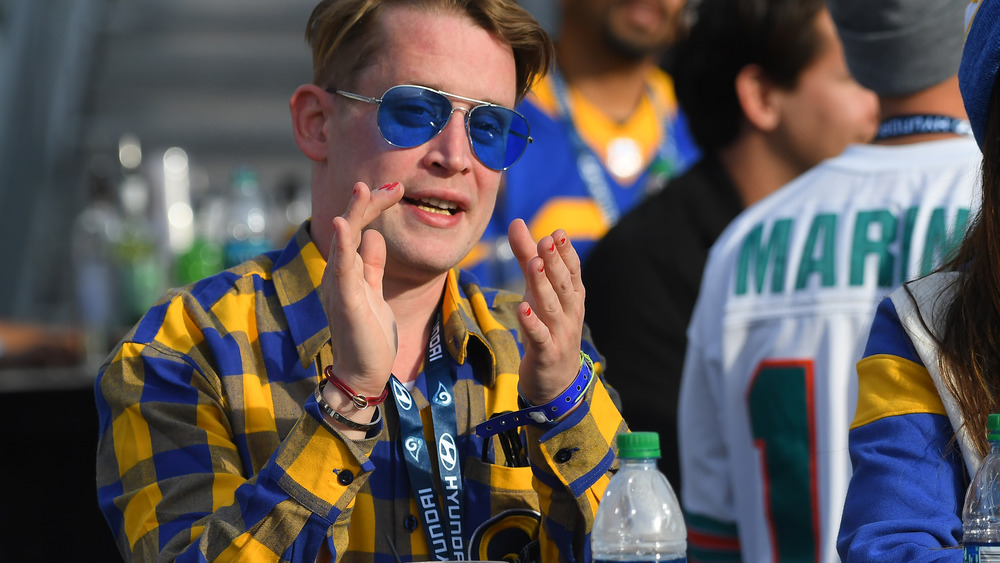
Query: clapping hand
{"points": [[362, 326], [551, 314]]}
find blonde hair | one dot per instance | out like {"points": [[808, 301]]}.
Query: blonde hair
{"points": [[342, 36]]}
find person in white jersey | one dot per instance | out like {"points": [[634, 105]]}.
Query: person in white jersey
{"points": [[767, 391]]}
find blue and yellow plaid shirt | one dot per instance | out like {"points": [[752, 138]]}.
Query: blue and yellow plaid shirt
{"points": [[213, 448]]}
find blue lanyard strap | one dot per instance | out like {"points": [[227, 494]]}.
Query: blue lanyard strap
{"points": [[591, 170], [442, 527], [906, 125]]}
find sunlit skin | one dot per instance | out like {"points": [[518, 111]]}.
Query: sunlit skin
{"points": [[608, 48], [640, 27], [828, 109], [381, 289]]}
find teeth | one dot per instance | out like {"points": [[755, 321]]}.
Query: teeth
{"points": [[439, 203], [435, 205]]}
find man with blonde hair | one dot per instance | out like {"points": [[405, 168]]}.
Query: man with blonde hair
{"points": [[355, 396]]}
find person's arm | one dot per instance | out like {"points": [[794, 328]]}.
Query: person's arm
{"points": [[571, 461], [905, 498], [174, 481]]}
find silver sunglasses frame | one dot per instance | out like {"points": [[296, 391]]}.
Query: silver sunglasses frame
{"points": [[468, 111]]}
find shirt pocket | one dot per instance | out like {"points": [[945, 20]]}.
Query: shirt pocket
{"points": [[510, 487]]}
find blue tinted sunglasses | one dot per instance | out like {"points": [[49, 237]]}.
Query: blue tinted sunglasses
{"points": [[409, 116]]}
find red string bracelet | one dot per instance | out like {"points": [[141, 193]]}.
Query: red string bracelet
{"points": [[360, 401]]}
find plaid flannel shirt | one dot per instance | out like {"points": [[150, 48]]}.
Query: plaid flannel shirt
{"points": [[213, 448]]}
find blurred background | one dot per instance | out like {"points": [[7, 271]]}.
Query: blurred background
{"points": [[143, 144]]}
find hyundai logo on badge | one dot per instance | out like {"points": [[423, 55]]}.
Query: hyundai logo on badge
{"points": [[413, 446], [442, 397], [447, 451], [403, 399]]}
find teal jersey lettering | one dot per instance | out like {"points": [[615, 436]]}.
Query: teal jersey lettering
{"points": [[760, 254], [820, 251], [878, 235], [867, 243]]}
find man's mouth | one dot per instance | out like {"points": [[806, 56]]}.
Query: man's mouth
{"points": [[434, 205]]}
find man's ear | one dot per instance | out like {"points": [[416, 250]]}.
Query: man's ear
{"points": [[309, 105], [758, 97]]}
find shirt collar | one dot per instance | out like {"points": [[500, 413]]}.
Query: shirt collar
{"points": [[298, 273]]}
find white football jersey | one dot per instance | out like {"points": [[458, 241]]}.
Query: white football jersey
{"points": [[769, 385]]}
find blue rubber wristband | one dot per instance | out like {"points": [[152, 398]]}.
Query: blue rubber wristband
{"points": [[547, 413]]}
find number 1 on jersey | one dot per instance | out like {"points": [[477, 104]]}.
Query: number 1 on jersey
{"points": [[780, 403]]}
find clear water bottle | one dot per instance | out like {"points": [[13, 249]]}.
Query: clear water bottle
{"points": [[246, 231], [639, 518], [981, 514], [96, 234]]}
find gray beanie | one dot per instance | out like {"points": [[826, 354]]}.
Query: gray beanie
{"points": [[899, 47]]}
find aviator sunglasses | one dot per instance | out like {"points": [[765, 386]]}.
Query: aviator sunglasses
{"points": [[409, 116]]}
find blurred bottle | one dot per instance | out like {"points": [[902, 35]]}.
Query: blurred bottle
{"points": [[246, 230], [294, 206], [204, 257], [981, 513], [639, 518], [96, 234], [142, 274]]}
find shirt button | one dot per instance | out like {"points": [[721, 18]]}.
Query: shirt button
{"points": [[410, 523], [564, 455], [345, 477]]}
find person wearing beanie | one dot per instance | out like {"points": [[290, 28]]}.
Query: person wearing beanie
{"points": [[929, 378], [769, 386]]}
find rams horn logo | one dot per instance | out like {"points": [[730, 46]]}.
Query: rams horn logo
{"points": [[510, 536], [413, 446], [442, 397]]}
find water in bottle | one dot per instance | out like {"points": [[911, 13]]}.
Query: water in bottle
{"points": [[96, 235], [246, 235], [639, 518], [981, 514]]}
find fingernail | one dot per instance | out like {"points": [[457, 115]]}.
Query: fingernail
{"points": [[541, 268], [562, 241], [553, 247], [389, 186], [527, 312]]}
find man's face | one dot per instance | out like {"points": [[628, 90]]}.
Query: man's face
{"points": [[634, 29], [828, 109], [449, 194]]}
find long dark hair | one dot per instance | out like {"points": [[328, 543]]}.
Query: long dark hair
{"points": [[969, 343]]}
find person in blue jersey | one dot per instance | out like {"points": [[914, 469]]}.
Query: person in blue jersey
{"points": [[929, 376], [354, 396], [768, 95], [606, 127]]}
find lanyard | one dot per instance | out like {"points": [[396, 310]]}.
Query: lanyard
{"points": [[590, 169], [906, 125], [443, 527]]}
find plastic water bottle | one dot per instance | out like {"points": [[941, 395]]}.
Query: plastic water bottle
{"points": [[246, 235], [981, 514], [639, 518]]}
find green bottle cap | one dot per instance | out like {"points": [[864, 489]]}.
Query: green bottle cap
{"points": [[993, 427], [634, 445]]}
